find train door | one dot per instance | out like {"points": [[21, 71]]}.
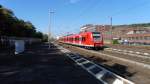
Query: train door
{"points": [[89, 39], [80, 39], [74, 40]]}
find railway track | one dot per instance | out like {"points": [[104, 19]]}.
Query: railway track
{"points": [[145, 54], [102, 74], [136, 64], [144, 50], [143, 60]]}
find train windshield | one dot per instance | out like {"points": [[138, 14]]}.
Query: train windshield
{"points": [[96, 34]]}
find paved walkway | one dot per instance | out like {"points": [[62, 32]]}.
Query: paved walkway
{"points": [[40, 65]]}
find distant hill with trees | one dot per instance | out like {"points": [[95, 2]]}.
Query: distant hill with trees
{"points": [[10, 25], [141, 25]]}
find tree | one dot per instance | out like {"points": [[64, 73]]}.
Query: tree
{"points": [[6, 19], [10, 25], [45, 38], [39, 35]]}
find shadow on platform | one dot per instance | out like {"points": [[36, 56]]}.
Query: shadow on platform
{"points": [[40, 65]]}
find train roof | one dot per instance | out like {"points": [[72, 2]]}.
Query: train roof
{"points": [[79, 34]]}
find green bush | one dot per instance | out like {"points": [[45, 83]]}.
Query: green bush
{"points": [[115, 42]]}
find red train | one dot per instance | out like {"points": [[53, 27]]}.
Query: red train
{"points": [[85, 39]]}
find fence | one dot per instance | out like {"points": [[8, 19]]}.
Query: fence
{"points": [[9, 42]]}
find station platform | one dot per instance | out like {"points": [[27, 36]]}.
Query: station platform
{"points": [[41, 65]]}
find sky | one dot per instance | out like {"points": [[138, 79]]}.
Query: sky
{"points": [[70, 15]]}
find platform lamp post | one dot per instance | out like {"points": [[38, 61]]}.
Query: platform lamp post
{"points": [[49, 32], [111, 28]]}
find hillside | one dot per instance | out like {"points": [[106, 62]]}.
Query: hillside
{"points": [[147, 25]]}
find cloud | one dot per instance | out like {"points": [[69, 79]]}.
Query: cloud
{"points": [[74, 1]]}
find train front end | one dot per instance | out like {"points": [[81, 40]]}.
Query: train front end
{"points": [[97, 40]]}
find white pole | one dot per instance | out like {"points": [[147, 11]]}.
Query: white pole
{"points": [[111, 28], [49, 36]]}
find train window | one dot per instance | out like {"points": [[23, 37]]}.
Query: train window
{"points": [[145, 38], [149, 38], [76, 39], [80, 39], [71, 39], [96, 36], [137, 38], [141, 38]]}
